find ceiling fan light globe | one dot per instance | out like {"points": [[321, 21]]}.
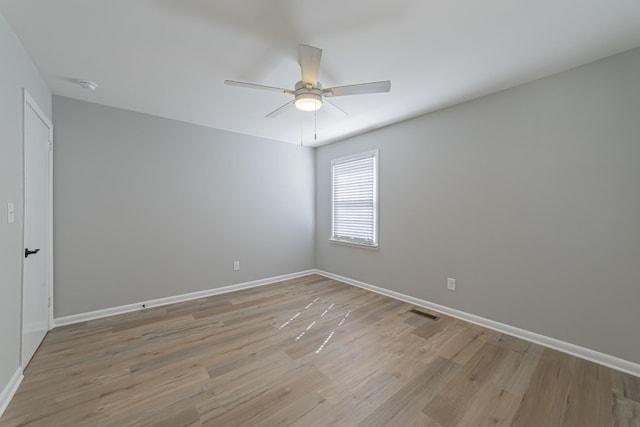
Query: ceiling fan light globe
{"points": [[308, 102]]}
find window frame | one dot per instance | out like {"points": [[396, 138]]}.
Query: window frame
{"points": [[375, 154]]}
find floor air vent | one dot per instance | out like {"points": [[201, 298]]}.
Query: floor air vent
{"points": [[423, 314]]}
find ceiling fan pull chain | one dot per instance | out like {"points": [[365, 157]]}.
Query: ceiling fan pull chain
{"points": [[315, 125]]}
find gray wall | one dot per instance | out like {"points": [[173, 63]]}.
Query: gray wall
{"points": [[147, 207], [16, 72], [530, 198]]}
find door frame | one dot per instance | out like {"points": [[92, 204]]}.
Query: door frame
{"points": [[30, 103]]}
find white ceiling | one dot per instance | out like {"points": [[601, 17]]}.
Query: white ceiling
{"points": [[169, 58]]}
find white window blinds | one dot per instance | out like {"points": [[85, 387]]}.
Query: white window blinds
{"points": [[355, 199]]}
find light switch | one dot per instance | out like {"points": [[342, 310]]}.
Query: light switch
{"points": [[11, 213]]}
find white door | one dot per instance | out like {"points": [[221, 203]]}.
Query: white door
{"points": [[36, 267]]}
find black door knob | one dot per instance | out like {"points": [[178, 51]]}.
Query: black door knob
{"points": [[27, 252]]}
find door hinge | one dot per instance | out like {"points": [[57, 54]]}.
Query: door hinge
{"points": [[49, 303], [50, 145]]}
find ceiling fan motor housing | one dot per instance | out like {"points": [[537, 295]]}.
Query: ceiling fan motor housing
{"points": [[307, 97]]}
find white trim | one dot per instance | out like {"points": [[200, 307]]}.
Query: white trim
{"points": [[565, 347], [28, 100], [83, 317], [356, 245], [10, 389]]}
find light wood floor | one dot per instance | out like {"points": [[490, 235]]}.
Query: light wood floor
{"points": [[309, 352]]}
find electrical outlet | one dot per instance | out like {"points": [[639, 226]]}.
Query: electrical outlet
{"points": [[236, 265], [451, 284]]}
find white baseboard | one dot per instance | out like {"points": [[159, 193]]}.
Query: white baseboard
{"points": [[565, 347], [10, 389], [83, 317]]}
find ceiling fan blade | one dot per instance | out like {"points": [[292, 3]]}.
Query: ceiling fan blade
{"points": [[334, 107], [279, 110], [310, 64], [256, 86], [358, 89]]}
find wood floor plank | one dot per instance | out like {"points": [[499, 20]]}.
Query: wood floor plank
{"points": [[414, 395], [280, 393], [626, 413], [294, 412], [421, 420], [625, 385], [626, 399], [362, 399], [516, 372], [590, 400], [545, 400], [494, 406], [449, 406], [309, 351]]}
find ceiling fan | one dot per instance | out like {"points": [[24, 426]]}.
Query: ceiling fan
{"points": [[308, 94]]}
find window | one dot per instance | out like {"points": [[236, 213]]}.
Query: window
{"points": [[355, 199]]}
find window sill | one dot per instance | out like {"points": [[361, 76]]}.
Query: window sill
{"points": [[355, 245]]}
